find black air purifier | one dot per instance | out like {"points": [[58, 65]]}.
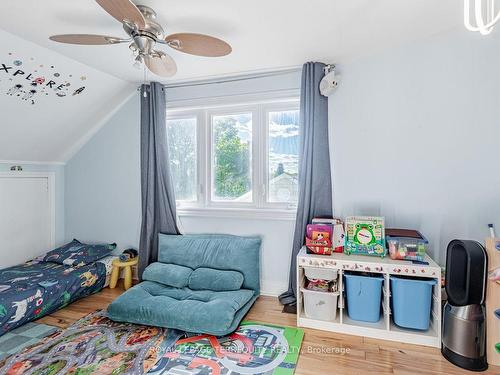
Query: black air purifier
{"points": [[464, 325]]}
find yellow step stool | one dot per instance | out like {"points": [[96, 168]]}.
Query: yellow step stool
{"points": [[127, 272]]}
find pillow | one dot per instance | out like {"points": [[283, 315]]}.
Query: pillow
{"points": [[216, 280], [167, 274], [78, 254]]}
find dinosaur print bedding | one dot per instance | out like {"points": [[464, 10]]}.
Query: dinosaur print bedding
{"points": [[34, 289]]}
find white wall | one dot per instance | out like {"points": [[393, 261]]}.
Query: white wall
{"points": [[103, 183], [58, 170], [103, 193], [415, 137]]}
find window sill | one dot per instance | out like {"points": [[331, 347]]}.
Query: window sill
{"points": [[238, 213]]}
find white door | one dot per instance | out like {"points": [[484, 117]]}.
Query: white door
{"points": [[26, 222]]}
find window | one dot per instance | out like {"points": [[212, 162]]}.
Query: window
{"points": [[232, 157], [181, 135], [283, 156], [243, 156]]}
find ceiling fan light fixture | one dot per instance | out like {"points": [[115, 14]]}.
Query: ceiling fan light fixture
{"points": [[140, 24], [139, 60]]}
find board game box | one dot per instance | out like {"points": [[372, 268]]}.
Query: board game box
{"points": [[365, 235]]}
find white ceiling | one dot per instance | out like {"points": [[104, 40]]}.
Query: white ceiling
{"points": [[264, 34]]}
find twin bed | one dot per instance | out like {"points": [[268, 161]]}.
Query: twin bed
{"points": [[48, 283]]}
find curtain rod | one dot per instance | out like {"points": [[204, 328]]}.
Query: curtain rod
{"points": [[233, 78]]}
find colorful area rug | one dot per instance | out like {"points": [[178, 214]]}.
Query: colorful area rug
{"points": [[15, 341], [254, 348], [94, 345], [97, 345]]}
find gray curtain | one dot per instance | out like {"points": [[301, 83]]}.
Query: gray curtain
{"points": [[315, 186], [158, 198]]}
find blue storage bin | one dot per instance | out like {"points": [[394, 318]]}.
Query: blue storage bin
{"points": [[364, 295], [411, 302]]}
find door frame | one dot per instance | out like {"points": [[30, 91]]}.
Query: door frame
{"points": [[51, 180]]}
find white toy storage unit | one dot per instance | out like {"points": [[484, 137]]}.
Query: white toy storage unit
{"points": [[332, 314]]}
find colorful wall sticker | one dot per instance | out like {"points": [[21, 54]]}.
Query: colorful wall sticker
{"points": [[30, 81]]}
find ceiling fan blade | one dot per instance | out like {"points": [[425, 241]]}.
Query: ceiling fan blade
{"points": [[161, 64], [87, 39], [198, 44], [123, 10]]}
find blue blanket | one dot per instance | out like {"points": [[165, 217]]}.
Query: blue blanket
{"points": [[34, 289]]}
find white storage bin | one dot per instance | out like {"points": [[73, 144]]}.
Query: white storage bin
{"points": [[328, 274], [320, 305]]}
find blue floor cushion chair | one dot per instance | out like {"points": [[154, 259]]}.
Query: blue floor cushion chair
{"points": [[201, 283]]}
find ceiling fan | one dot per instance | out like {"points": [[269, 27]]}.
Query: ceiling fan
{"points": [[139, 22]]}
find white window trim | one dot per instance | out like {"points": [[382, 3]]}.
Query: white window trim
{"points": [[259, 208], [234, 100], [238, 213]]}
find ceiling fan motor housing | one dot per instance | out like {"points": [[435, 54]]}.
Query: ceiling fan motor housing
{"points": [[145, 38], [152, 28]]}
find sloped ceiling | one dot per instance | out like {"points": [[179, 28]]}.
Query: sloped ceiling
{"points": [[265, 34], [49, 102]]}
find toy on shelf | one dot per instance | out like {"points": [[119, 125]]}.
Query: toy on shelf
{"points": [[365, 235], [338, 232], [406, 244], [324, 236], [318, 238], [320, 285]]}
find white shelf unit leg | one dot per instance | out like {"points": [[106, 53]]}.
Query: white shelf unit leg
{"points": [[300, 283], [386, 301], [341, 304]]}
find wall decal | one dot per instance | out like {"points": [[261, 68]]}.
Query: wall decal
{"points": [[31, 81], [79, 91]]}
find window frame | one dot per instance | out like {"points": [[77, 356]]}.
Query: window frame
{"points": [[259, 159]]}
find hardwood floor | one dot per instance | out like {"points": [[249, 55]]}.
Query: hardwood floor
{"points": [[322, 352]]}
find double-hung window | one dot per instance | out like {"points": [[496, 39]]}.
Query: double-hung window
{"points": [[238, 156]]}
